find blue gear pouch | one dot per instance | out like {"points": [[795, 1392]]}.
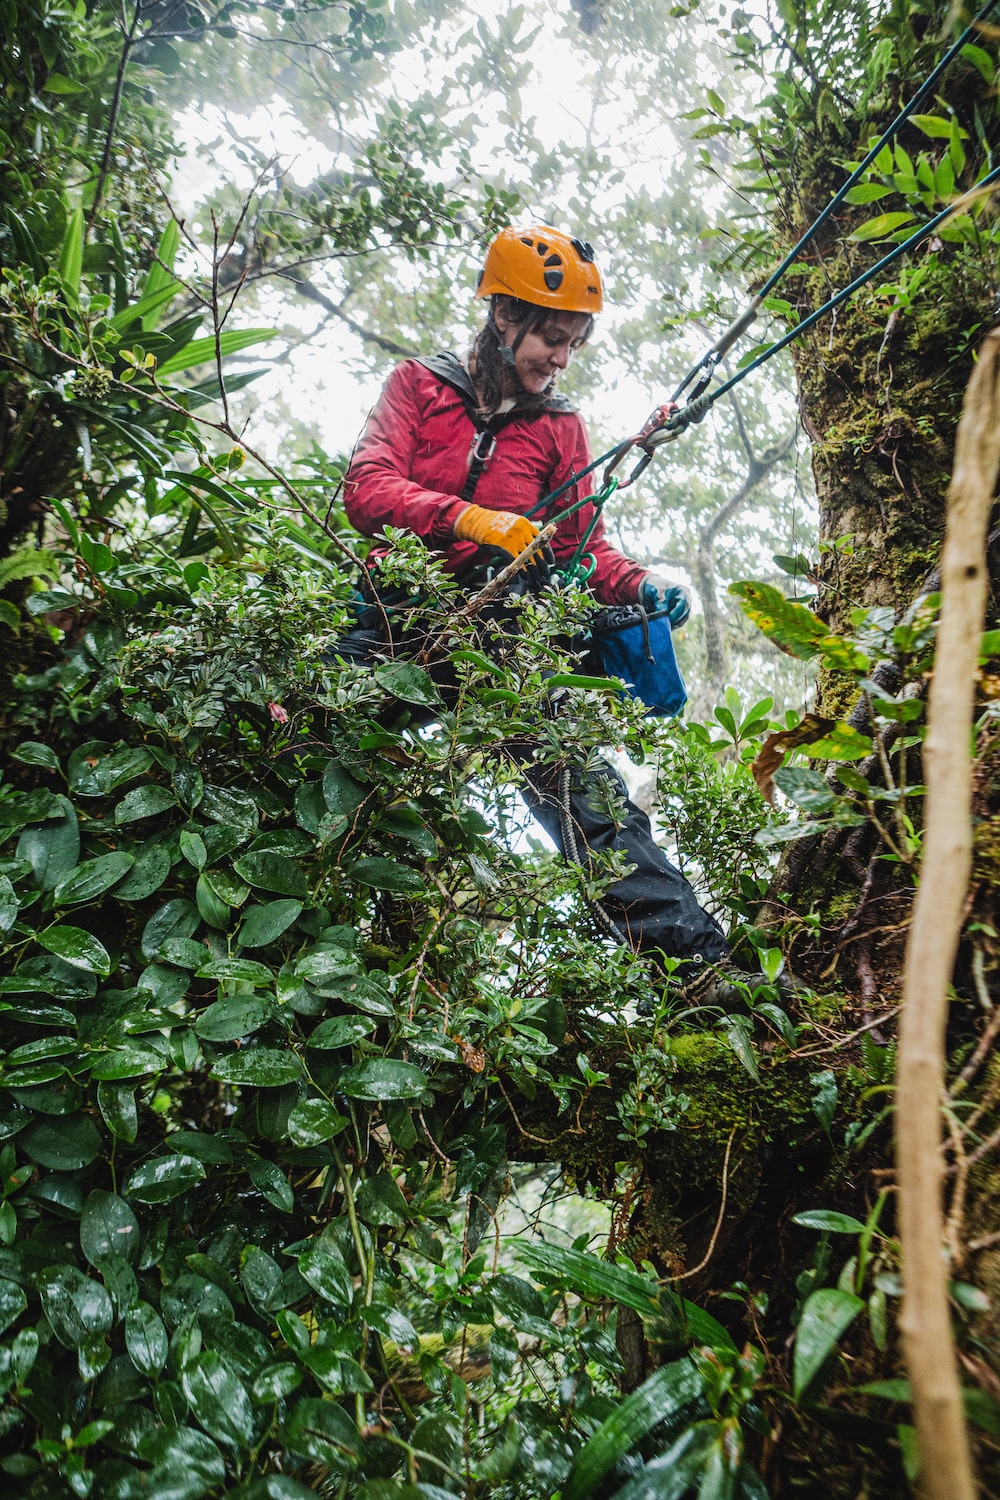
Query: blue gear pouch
{"points": [[639, 649]]}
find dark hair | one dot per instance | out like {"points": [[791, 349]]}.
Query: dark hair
{"points": [[491, 361]]}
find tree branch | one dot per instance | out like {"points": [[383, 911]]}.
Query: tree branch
{"points": [[946, 1466]]}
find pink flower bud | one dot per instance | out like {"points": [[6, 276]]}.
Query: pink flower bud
{"points": [[278, 714]]}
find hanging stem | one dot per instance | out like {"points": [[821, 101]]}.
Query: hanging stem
{"points": [[113, 113], [945, 1462]]}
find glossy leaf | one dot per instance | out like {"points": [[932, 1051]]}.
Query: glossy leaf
{"points": [[108, 1227], [74, 1304], [219, 1401], [382, 1078], [77, 948], [669, 1393], [322, 1266], [164, 1177], [146, 1339], [260, 1067], [262, 925], [272, 872], [92, 878], [321, 1430], [827, 1314]]}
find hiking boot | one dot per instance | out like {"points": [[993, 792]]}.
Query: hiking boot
{"points": [[733, 988]]}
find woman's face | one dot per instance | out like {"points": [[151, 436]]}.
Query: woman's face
{"points": [[545, 349]]}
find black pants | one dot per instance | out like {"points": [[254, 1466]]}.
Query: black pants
{"points": [[653, 907]]}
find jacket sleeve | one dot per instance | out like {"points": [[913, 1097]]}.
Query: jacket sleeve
{"points": [[616, 577], [378, 491]]}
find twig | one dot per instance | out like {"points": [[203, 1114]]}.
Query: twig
{"points": [[925, 1320], [686, 1275], [113, 113]]}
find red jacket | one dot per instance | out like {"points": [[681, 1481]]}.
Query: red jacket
{"points": [[413, 459]]}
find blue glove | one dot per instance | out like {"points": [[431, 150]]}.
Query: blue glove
{"points": [[657, 593]]}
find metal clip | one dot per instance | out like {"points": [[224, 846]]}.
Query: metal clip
{"points": [[476, 453]]}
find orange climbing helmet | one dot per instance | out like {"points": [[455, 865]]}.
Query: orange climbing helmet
{"points": [[542, 266]]}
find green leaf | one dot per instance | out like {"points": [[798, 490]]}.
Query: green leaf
{"points": [[34, 753], [272, 1182], [165, 1177], [12, 1303], [323, 1267], [791, 626], [92, 878], [981, 61], [739, 1039], [382, 1078], [341, 793], [149, 871], [867, 192], [829, 1221], [219, 1400], [74, 1304], [58, 83], [108, 1227], [938, 127], [64, 1145], [679, 1471], [669, 1393], [146, 1339], [76, 947], [827, 1314], [118, 1109], [340, 1031], [408, 682], [259, 1067], [211, 907], [52, 849], [174, 919], [262, 925], [844, 742], [70, 267], [321, 1430], [386, 875], [129, 1061], [273, 872], [233, 1017], [881, 226], [380, 1201], [591, 1277], [201, 351], [144, 802], [313, 1121], [160, 276], [237, 968]]}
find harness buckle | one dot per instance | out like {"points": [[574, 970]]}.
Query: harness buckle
{"points": [[479, 455]]}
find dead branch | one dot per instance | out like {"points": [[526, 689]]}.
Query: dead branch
{"points": [[946, 1465]]}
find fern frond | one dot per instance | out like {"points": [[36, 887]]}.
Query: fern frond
{"points": [[27, 562]]}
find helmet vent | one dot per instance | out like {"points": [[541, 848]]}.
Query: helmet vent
{"points": [[554, 260], [529, 243], [553, 280]]}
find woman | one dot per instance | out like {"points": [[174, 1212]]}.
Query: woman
{"points": [[457, 452]]}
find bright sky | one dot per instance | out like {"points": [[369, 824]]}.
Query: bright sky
{"points": [[320, 377]]}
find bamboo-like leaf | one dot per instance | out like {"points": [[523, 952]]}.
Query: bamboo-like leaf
{"points": [[71, 255], [880, 226], [201, 351], [137, 312], [669, 1392], [160, 274]]}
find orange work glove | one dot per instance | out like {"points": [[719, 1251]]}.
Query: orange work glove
{"points": [[495, 528]]}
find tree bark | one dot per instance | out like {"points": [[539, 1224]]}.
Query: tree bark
{"points": [[946, 1469]]}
